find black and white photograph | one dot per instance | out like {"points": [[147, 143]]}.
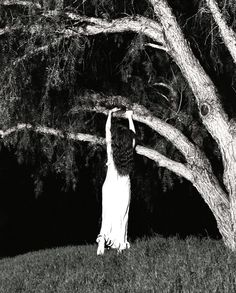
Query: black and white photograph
{"points": [[117, 146]]}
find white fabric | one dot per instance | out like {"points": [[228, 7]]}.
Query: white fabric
{"points": [[115, 210]]}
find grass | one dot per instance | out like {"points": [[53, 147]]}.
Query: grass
{"points": [[151, 265]]}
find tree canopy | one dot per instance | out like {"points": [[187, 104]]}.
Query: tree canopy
{"points": [[66, 63], [50, 64]]}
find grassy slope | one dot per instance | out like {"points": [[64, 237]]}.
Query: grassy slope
{"points": [[151, 265]]}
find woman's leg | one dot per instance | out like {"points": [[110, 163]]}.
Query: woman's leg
{"points": [[101, 245]]}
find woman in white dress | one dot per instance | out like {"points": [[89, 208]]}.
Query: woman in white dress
{"points": [[116, 188]]}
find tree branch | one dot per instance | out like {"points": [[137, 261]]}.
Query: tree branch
{"points": [[139, 24], [197, 162], [226, 32], [176, 167], [90, 26], [95, 102], [52, 131]]}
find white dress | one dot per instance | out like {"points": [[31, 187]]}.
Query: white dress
{"points": [[115, 208]]}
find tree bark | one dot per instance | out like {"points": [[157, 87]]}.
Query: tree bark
{"points": [[210, 109], [229, 39]]}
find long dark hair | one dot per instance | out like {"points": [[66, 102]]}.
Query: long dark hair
{"points": [[122, 148]]}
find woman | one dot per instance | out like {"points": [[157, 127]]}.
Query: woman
{"points": [[116, 188]]}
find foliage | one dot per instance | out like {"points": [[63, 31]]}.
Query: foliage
{"points": [[155, 265], [41, 86]]}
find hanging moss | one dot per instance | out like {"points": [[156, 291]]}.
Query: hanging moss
{"points": [[41, 86]]}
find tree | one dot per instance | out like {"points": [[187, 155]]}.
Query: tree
{"points": [[46, 46]]}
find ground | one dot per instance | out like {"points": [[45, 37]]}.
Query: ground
{"points": [[150, 265]]}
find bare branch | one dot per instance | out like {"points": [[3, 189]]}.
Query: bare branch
{"points": [[139, 24], [226, 32], [52, 131], [176, 167], [163, 161]]}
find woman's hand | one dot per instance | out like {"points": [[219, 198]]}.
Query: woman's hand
{"points": [[129, 113], [115, 110]]}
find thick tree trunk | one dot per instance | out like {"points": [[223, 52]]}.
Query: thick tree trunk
{"points": [[208, 186], [213, 117], [230, 180], [229, 38]]}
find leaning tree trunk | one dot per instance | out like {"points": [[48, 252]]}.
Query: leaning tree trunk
{"points": [[213, 116], [229, 38]]}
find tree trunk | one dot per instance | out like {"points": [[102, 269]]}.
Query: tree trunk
{"points": [[207, 185], [213, 117], [229, 38]]}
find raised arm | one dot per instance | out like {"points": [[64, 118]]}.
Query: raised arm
{"points": [[108, 128], [108, 133], [131, 123]]}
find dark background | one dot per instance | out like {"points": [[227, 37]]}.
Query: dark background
{"points": [[58, 218]]}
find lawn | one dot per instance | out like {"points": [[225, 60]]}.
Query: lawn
{"points": [[150, 265]]}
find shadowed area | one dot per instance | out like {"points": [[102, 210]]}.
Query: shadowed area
{"points": [[58, 218]]}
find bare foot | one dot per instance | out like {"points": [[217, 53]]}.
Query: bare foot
{"points": [[101, 247]]}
